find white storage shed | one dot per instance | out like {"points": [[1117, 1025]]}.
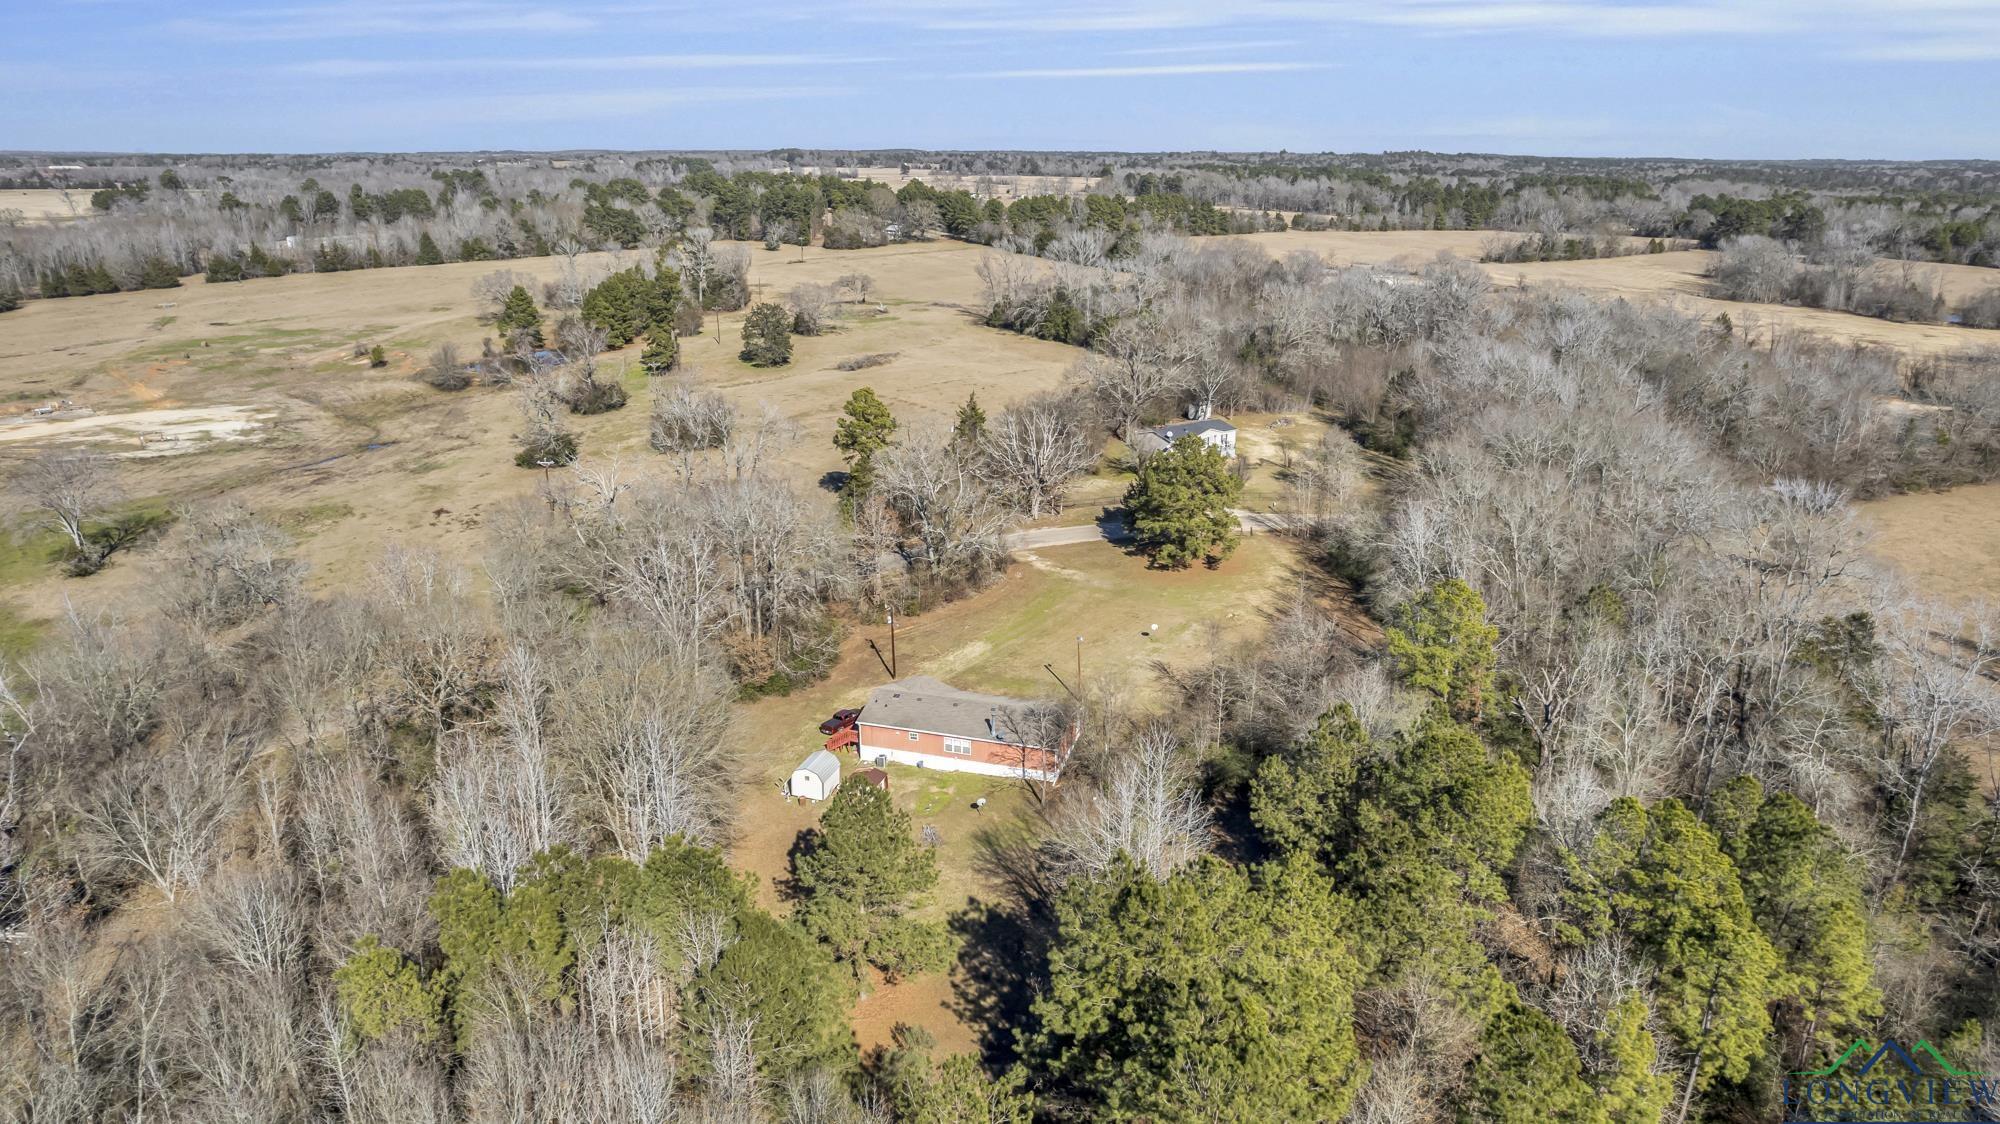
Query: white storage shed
{"points": [[817, 776]]}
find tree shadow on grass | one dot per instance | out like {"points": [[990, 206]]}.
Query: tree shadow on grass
{"points": [[1004, 944]]}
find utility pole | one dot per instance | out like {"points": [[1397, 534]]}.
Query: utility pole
{"points": [[892, 643]]}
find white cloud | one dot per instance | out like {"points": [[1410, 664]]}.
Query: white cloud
{"points": [[363, 19], [1913, 29], [1161, 70], [360, 68], [589, 105], [1207, 48]]}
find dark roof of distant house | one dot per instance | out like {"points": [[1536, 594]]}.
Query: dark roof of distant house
{"points": [[923, 703], [1178, 430]]}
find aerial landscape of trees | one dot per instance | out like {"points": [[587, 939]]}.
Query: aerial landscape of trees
{"points": [[1582, 766]]}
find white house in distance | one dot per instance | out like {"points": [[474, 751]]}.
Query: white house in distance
{"points": [[816, 777], [1213, 431], [927, 723]]}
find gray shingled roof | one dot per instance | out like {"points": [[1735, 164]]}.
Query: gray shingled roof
{"points": [[923, 703], [1174, 432]]}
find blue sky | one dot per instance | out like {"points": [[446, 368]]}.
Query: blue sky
{"points": [[1901, 79]]}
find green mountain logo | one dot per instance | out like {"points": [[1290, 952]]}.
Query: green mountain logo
{"points": [[1890, 1050]]}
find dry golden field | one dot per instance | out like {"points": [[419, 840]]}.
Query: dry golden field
{"points": [[1946, 543], [45, 204], [359, 457]]}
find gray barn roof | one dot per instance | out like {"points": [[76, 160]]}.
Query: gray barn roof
{"points": [[821, 764], [923, 703]]}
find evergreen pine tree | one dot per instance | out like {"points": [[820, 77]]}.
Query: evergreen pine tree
{"points": [[1442, 644], [861, 870], [381, 993], [427, 250], [785, 987], [1180, 504], [1806, 897], [663, 350], [1633, 1091], [767, 336], [971, 423], [159, 273], [519, 315], [1249, 985], [1675, 894], [1527, 1071], [862, 431]]}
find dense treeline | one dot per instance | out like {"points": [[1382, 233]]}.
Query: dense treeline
{"points": [[237, 224]]}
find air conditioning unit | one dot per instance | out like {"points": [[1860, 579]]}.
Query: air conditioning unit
{"points": [[882, 759]]}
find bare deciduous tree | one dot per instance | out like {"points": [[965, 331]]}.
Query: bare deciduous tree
{"points": [[1147, 807], [688, 420], [1134, 364], [495, 803], [930, 484], [72, 487], [642, 736], [160, 817], [1032, 450]]}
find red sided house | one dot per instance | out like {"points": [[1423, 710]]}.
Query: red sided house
{"points": [[924, 722]]}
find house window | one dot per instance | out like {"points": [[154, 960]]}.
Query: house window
{"points": [[913, 735], [958, 745]]}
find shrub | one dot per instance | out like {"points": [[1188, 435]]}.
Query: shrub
{"points": [[159, 273], [1982, 311], [558, 449], [862, 362], [377, 357], [444, 371], [593, 397]]}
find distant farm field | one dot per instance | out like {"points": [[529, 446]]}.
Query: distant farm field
{"points": [[45, 204], [1678, 279]]}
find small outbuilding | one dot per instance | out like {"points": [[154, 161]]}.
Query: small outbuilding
{"points": [[1212, 431], [877, 777], [816, 777]]}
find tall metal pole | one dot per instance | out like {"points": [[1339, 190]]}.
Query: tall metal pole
{"points": [[892, 644]]}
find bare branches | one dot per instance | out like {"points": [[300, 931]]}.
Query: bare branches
{"points": [[687, 420], [496, 803], [642, 736], [1147, 806], [1032, 450], [71, 487], [160, 817], [928, 481]]}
